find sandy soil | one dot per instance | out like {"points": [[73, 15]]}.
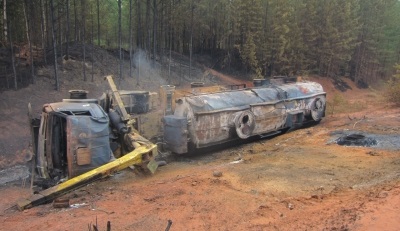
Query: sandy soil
{"points": [[300, 180]]}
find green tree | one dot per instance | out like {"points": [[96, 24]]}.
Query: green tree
{"points": [[248, 31], [248, 54], [377, 41], [308, 22], [336, 35], [279, 44]]}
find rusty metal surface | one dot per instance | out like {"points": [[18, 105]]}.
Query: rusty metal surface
{"points": [[239, 99], [175, 133], [135, 102], [83, 156], [119, 105], [88, 144], [218, 117], [69, 135], [149, 124]]}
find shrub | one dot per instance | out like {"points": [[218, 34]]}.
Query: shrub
{"points": [[393, 87], [337, 101]]}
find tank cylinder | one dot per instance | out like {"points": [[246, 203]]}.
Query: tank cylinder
{"points": [[117, 122]]}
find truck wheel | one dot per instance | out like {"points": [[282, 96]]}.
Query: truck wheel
{"points": [[318, 109], [245, 124]]}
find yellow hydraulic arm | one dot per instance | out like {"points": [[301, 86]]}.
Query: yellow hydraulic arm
{"points": [[142, 152]]}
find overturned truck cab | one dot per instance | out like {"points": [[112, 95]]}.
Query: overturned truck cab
{"points": [[209, 119], [74, 138], [79, 140]]}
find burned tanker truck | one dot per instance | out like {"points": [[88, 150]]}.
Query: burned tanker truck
{"points": [[271, 107], [80, 140]]}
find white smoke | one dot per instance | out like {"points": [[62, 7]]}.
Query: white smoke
{"points": [[147, 73]]}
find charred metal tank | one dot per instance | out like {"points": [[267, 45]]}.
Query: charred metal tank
{"points": [[209, 119]]}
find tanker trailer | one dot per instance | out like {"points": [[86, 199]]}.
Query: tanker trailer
{"points": [[209, 119]]}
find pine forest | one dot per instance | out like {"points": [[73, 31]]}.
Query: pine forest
{"points": [[359, 39]]}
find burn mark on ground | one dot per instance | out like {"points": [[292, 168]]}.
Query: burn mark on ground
{"points": [[356, 140], [363, 139]]}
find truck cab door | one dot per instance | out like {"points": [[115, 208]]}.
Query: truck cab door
{"points": [[88, 144]]}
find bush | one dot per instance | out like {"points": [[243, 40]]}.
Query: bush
{"points": [[337, 101], [393, 87], [393, 92]]}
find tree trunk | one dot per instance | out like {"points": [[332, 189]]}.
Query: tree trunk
{"points": [[92, 42], [120, 38], [13, 60], [44, 31], [83, 12], [31, 8], [59, 10], [154, 29], [47, 13], [53, 33], [67, 34], [5, 19], [24, 7], [139, 42], [148, 30], [170, 42], [76, 21], [162, 37], [130, 38], [98, 22], [191, 41], [170, 31], [138, 68], [12, 52], [28, 17]]}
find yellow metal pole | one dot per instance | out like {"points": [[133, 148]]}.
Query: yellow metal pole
{"points": [[132, 158]]}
